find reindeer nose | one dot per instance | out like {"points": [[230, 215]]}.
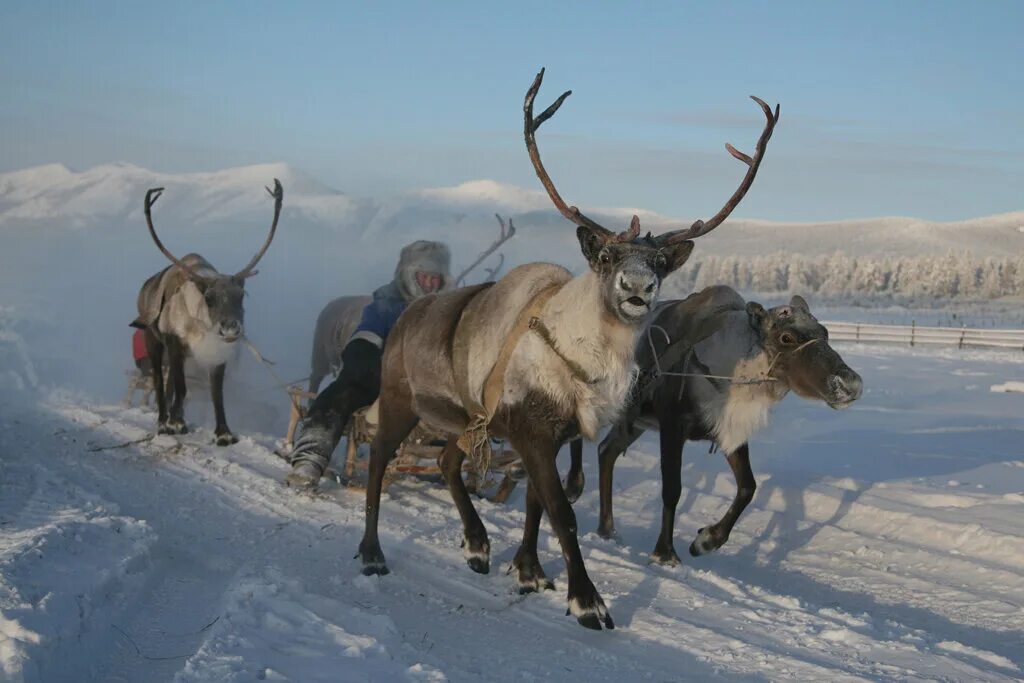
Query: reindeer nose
{"points": [[637, 283], [231, 328], [849, 383]]}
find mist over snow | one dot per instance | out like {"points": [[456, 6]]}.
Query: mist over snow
{"points": [[74, 251]]}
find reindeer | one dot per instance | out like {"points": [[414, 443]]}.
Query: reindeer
{"points": [[339, 318], [192, 310], [722, 390], [536, 358]]}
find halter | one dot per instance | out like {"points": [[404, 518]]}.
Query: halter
{"points": [[658, 372]]}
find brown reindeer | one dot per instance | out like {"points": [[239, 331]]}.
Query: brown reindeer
{"points": [[192, 310], [719, 389], [537, 358]]}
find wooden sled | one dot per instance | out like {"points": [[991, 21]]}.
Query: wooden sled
{"points": [[419, 455]]}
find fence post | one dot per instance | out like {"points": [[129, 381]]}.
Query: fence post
{"points": [[963, 331], [858, 331], [913, 329]]}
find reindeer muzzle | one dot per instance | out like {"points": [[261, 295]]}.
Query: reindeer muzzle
{"points": [[845, 387]]}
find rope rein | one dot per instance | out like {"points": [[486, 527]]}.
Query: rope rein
{"points": [[659, 372], [269, 364]]}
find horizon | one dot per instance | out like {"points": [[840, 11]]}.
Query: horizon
{"points": [[466, 184], [883, 114]]}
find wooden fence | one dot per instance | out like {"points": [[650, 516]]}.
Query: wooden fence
{"points": [[962, 337]]}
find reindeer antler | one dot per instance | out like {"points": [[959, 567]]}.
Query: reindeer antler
{"points": [[504, 235], [700, 227], [278, 194], [530, 126], [151, 196]]}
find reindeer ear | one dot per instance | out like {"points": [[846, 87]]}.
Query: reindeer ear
{"points": [[678, 254], [799, 302], [757, 315], [590, 243]]}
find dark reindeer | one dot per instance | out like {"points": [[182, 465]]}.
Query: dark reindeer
{"points": [[733, 378], [538, 357], [191, 310], [339, 318]]}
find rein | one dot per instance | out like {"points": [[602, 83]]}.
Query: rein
{"points": [[659, 372], [269, 365]]}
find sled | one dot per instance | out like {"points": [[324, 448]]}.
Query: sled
{"points": [[419, 455]]}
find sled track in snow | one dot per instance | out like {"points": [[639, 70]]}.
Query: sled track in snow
{"points": [[237, 577]]}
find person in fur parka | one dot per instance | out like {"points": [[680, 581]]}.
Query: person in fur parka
{"points": [[423, 268]]}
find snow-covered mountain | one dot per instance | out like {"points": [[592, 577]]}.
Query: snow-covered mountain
{"points": [[109, 197]]}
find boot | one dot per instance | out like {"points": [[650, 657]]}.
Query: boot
{"points": [[310, 457]]}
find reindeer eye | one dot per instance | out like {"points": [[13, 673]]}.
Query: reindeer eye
{"points": [[787, 339], [604, 257]]}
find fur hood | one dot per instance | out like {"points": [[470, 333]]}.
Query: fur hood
{"points": [[422, 256]]}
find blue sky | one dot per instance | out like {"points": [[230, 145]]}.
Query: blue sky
{"points": [[905, 108]]}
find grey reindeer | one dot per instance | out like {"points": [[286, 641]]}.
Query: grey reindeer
{"points": [[537, 358], [720, 389], [191, 310]]}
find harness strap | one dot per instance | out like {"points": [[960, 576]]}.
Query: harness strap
{"points": [[474, 441]]}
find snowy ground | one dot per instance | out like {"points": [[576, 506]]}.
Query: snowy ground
{"points": [[885, 542]]}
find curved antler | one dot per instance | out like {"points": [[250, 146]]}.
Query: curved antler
{"points": [[278, 194], [151, 196], [700, 227], [530, 126], [504, 235]]}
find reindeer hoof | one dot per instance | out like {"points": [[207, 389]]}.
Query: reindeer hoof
{"points": [[607, 532], [226, 439], [666, 557], [172, 427], [478, 558], [479, 565], [535, 585], [594, 617], [706, 542], [373, 561], [574, 488]]}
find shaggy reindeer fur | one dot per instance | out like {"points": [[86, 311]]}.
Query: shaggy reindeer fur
{"points": [[766, 353]]}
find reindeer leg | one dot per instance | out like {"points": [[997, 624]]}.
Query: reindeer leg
{"points": [[574, 479], [224, 435], [526, 563], [615, 444], [672, 440], [475, 546], [397, 420], [538, 452], [155, 350], [176, 358], [714, 537]]}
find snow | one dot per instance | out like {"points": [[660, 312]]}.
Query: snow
{"points": [[1006, 387], [883, 543]]}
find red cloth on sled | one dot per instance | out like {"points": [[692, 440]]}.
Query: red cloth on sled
{"points": [[139, 345]]}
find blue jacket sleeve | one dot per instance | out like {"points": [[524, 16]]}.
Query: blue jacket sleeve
{"points": [[378, 318]]}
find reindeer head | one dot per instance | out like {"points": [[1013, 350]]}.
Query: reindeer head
{"points": [[801, 356], [222, 294], [630, 267]]}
